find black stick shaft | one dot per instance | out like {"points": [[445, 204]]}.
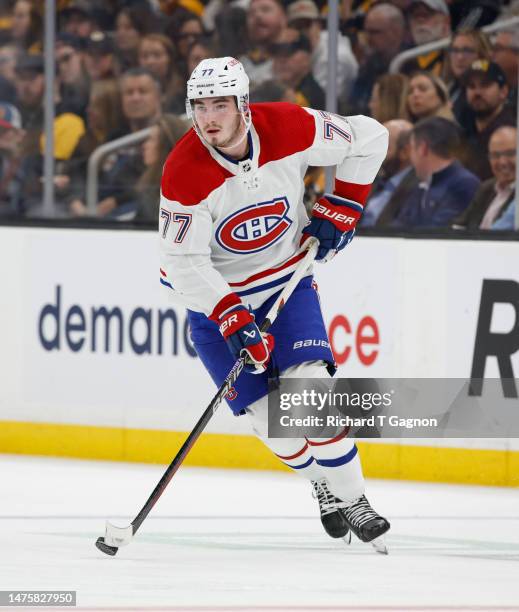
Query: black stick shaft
{"points": [[188, 444]]}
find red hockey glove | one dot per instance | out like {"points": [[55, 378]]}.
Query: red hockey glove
{"points": [[242, 335]]}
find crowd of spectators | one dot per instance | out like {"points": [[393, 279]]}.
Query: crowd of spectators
{"points": [[122, 66]]}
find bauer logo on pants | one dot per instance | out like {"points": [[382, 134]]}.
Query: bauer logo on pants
{"points": [[254, 227]]}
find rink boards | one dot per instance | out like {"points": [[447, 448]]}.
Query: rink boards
{"points": [[96, 363]]}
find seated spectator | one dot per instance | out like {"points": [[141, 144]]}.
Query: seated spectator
{"points": [[384, 30], [389, 98], [8, 59], [27, 27], [495, 194], [198, 51], [266, 23], [140, 98], [157, 54], [506, 221], [292, 66], [73, 79], [68, 129], [104, 116], [466, 47], [99, 57], [131, 24], [487, 92], [395, 169], [184, 29], [429, 21], [427, 97], [201, 49], [104, 112], [303, 15], [272, 91], [163, 137], [446, 187], [505, 53], [30, 86], [11, 135], [83, 17], [230, 31], [141, 107]]}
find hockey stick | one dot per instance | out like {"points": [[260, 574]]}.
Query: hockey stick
{"points": [[116, 537]]}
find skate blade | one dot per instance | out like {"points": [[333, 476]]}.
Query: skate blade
{"points": [[379, 545], [347, 538]]}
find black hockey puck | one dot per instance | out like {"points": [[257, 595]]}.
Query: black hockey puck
{"points": [[103, 547]]}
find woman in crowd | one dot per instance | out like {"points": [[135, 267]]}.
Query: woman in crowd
{"points": [[72, 78], [389, 97], [131, 24], [184, 29], [230, 31], [26, 26], [104, 115], [201, 49], [466, 47], [427, 97], [163, 137], [157, 54]]}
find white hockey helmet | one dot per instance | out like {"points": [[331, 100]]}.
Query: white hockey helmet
{"points": [[216, 77]]}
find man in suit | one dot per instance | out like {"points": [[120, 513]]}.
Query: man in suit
{"points": [[445, 186], [496, 193]]}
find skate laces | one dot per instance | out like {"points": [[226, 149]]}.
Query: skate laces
{"points": [[359, 512], [327, 501]]}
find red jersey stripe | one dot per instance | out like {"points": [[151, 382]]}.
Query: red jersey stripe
{"points": [[270, 271]]}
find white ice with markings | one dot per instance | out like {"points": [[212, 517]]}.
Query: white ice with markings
{"points": [[241, 540]]}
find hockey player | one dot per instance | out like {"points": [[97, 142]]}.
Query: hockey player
{"points": [[233, 228]]}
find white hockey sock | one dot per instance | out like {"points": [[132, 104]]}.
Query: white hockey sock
{"points": [[293, 452], [339, 461]]}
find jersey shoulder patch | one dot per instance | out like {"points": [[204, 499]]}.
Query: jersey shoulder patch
{"points": [[190, 173], [283, 129]]}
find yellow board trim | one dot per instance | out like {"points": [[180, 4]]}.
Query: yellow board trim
{"points": [[380, 460]]}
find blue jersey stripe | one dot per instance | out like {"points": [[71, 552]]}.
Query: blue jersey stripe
{"points": [[259, 288]]}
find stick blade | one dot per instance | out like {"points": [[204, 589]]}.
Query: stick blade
{"points": [[117, 536], [103, 547]]}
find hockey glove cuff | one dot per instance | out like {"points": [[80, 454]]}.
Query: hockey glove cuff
{"points": [[333, 223]]}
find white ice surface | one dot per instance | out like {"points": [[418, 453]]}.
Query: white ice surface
{"points": [[232, 540]]}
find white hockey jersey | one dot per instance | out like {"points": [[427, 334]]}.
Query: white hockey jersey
{"points": [[235, 227]]}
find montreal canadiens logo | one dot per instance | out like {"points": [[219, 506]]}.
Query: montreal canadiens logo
{"points": [[254, 227]]}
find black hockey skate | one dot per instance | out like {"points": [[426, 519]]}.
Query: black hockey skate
{"points": [[332, 518], [365, 523]]}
